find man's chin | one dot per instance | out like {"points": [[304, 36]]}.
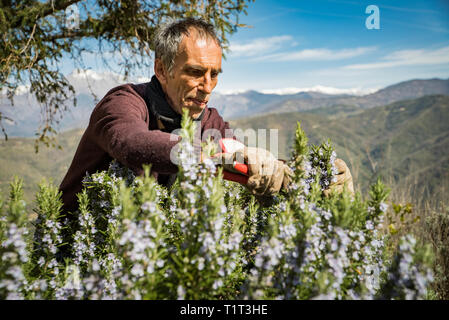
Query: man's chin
{"points": [[195, 110]]}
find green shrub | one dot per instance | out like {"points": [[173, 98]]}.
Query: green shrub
{"points": [[206, 238]]}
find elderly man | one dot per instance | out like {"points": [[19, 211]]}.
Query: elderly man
{"points": [[133, 122]]}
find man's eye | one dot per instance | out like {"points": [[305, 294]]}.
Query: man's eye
{"points": [[214, 74], [196, 73]]}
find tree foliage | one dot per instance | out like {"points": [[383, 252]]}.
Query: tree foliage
{"points": [[37, 35]]}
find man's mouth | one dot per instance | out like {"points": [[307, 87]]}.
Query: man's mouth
{"points": [[199, 102]]}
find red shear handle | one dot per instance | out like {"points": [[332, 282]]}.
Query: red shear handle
{"points": [[230, 146], [241, 167], [240, 178], [236, 177]]}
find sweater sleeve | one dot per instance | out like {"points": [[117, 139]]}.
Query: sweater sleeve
{"points": [[215, 121], [119, 127]]}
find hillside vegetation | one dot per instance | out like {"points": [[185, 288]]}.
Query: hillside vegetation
{"points": [[407, 142], [18, 158]]}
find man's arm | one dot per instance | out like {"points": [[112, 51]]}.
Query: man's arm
{"points": [[118, 127]]}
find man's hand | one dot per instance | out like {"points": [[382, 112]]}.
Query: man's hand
{"points": [[266, 174], [343, 176]]}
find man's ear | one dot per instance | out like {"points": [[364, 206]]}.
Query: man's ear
{"points": [[160, 72]]}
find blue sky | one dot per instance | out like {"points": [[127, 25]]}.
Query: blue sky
{"points": [[305, 44]]}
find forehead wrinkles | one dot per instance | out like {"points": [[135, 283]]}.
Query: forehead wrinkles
{"points": [[197, 40]]}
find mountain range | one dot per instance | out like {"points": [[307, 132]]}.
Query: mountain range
{"points": [[400, 133], [27, 114], [253, 103]]}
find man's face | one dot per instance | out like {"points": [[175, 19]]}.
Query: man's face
{"points": [[194, 74]]}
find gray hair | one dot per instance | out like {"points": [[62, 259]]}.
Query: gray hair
{"points": [[169, 35]]}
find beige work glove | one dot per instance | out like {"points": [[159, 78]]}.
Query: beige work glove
{"points": [[266, 174], [343, 176]]}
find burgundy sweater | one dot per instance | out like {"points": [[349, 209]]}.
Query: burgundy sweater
{"points": [[123, 126]]}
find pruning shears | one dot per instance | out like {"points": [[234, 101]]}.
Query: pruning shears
{"points": [[240, 172]]}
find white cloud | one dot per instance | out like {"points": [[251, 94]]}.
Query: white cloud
{"points": [[407, 58], [322, 89], [229, 91], [89, 81], [20, 90], [91, 74], [318, 88], [321, 54], [258, 46], [99, 83]]}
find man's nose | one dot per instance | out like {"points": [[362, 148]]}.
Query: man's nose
{"points": [[206, 84]]}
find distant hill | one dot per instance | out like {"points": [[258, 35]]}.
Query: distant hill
{"points": [[18, 158], [249, 103], [406, 142], [405, 90], [231, 106], [27, 115]]}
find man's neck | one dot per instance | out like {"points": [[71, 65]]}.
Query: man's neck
{"points": [[197, 116]]}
